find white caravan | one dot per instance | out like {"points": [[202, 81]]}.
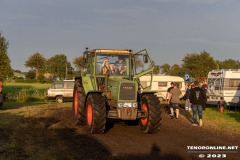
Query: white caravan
{"points": [[160, 84], [223, 86]]}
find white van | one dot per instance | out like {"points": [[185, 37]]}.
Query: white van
{"points": [[61, 91], [223, 86], [160, 84]]}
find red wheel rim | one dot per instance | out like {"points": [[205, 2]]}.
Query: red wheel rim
{"points": [[76, 103], [89, 114], [145, 119]]}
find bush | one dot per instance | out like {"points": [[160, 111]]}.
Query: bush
{"points": [[41, 78], [25, 81]]}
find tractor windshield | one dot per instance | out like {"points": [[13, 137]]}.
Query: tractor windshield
{"points": [[112, 64]]}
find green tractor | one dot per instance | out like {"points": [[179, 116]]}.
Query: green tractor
{"points": [[111, 89]]}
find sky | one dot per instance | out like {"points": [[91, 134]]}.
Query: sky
{"points": [[168, 29]]}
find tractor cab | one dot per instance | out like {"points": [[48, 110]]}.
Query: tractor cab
{"points": [[119, 64]]}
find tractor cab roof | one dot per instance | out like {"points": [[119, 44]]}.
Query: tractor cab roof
{"points": [[110, 51]]}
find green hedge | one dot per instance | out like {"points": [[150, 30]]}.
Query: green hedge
{"points": [[32, 81]]}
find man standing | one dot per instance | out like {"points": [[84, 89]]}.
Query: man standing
{"points": [[187, 96], [174, 96], [197, 98], [168, 91], [203, 87], [167, 97]]}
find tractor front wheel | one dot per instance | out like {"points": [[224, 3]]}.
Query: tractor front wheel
{"points": [[79, 98], [96, 113], [151, 105]]}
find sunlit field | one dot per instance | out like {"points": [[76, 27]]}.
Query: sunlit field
{"points": [[25, 92]]}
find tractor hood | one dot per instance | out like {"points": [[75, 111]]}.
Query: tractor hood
{"points": [[123, 90]]}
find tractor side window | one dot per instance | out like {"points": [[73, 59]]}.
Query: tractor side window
{"points": [[141, 65]]}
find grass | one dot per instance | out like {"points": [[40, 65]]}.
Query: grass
{"points": [[25, 93], [225, 120]]}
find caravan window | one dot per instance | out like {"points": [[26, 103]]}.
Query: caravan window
{"points": [[234, 83], [162, 84]]}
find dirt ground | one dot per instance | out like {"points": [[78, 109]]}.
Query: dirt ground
{"points": [[51, 131]]}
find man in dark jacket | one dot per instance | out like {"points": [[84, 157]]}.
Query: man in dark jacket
{"points": [[197, 98], [203, 87]]}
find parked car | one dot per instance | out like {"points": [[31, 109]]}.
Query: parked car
{"points": [[61, 91]]}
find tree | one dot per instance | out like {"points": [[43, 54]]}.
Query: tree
{"points": [[165, 68], [228, 64], [31, 74], [37, 62], [198, 64], [80, 64], [41, 78], [5, 68], [175, 70], [58, 66], [156, 69]]}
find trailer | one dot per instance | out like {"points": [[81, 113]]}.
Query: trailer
{"points": [[160, 84], [223, 87]]}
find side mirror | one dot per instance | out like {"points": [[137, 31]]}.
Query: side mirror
{"points": [[145, 58]]}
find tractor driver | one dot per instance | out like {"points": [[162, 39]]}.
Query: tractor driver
{"points": [[120, 66]]}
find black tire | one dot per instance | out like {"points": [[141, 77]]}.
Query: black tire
{"points": [[59, 99], [1, 99], [96, 113], [151, 104], [79, 99]]}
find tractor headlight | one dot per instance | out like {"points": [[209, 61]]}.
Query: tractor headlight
{"points": [[120, 105], [135, 105]]}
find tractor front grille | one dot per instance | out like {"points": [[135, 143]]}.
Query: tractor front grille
{"points": [[127, 91]]}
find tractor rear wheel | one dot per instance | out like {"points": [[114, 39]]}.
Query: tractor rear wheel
{"points": [[96, 113], [151, 105], [79, 98]]}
